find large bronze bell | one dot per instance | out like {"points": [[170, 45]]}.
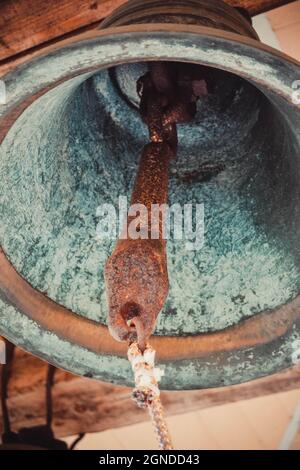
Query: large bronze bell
{"points": [[71, 137]]}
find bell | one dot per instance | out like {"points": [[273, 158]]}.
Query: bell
{"points": [[71, 137]]}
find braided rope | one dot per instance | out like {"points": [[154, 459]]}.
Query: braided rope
{"points": [[161, 429], [146, 392]]}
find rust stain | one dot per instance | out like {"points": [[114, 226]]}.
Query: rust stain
{"points": [[136, 274]]}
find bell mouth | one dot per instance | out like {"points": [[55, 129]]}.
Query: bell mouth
{"points": [[76, 147]]}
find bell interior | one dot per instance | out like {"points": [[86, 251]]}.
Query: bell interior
{"points": [[78, 146]]}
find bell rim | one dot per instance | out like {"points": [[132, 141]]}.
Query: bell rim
{"points": [[177, 352]]}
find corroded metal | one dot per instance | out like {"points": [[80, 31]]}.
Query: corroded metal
{"points": [[136, 273], [272, 330], [146, 393]]}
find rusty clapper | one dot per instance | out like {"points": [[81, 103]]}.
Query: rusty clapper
{"points": [[136, 273]]}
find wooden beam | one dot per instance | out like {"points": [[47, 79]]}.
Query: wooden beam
{"points": [[25, 24], [85, 405]]}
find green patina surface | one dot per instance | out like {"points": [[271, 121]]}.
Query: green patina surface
{"points": [[78, 146]]}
